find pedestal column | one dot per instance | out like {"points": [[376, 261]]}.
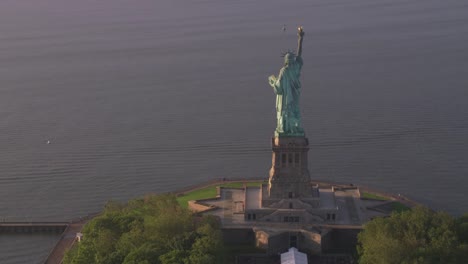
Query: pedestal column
{"points": [[289, 173]]}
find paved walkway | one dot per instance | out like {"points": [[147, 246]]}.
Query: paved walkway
{"points": [[66, 242]]}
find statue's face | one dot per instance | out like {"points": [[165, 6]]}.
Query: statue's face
{"points": [[288, 58]]}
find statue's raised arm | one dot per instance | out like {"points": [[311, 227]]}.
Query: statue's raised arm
{"points": [[300, 34], [287, 87]]}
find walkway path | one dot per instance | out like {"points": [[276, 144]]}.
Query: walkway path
{"points": [[66, 242]]}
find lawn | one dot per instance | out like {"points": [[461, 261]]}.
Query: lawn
{"points": [[371, 196], [210, 192], [399, 207]]}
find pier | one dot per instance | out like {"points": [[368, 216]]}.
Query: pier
{"points": [[67, 230], [33, 227], [67, 240]]}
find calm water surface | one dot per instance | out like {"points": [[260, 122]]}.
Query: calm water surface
{"points": [[150, 96]]}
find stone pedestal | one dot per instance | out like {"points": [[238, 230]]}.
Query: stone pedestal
{"points": [[289, 173]]}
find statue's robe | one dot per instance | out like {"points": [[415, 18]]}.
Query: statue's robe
{"points": [[288, 90]]}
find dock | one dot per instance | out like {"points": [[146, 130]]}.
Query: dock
{"points": [[33, 227], [66, 242], [67, 230]]}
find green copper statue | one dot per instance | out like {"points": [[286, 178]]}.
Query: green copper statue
{"points": [[287, 87]]}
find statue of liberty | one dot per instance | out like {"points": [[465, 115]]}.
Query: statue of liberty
{"points": [[287, 88]]}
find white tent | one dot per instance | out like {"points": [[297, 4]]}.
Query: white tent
{"points": [[293, 256]]}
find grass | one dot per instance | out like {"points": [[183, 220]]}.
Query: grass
{"points": [[371, 196], [399, 207], [210, 192], [205, 193]]}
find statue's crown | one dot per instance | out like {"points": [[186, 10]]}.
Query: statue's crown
{"points": [[289, 57], [288, 53]]}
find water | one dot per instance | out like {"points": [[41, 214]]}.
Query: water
{"points": [[147, 96], [26, 248]]}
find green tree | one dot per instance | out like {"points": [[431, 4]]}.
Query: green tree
{"points": [[151, 230], [412, 237], [174, 257]]}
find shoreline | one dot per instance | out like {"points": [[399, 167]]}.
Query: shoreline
{"points": [[392, 196], [60, 249]]}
